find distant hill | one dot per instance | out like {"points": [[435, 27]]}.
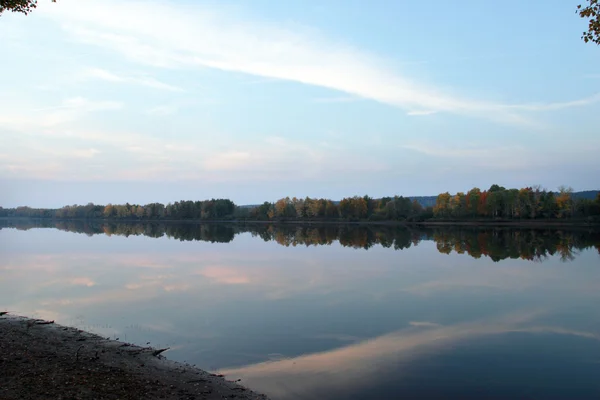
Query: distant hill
{"points": [[586, 194], [429, 201], [249, 206], [425, 201]]}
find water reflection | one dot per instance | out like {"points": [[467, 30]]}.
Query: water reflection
{"points": [[497, 244], [348, 370], [299, 320]]}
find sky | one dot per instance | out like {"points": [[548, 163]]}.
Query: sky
{"points": [[114, 101]]}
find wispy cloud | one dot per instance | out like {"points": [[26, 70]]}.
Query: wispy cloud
{"points": [[348, 367], [424, 324], [102, 74], [162, 110], [160, 35], [229, 160], [338, 99], [261, 81], [280, 158], [69, 110], [439, 150], [85, 153], [499, 158], [421, 112], [556, 106]]}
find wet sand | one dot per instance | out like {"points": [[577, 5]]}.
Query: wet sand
{"points": [[43, 360]]}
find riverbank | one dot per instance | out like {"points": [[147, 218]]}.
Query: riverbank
{"points": [[481, 223], [43, 360]]}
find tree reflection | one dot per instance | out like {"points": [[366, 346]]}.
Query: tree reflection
{"points": [[498, 244]]}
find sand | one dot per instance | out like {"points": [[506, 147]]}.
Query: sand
{"points": [[43, 360]]}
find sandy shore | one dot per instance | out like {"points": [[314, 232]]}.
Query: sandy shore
{"points": [[43, 360]]}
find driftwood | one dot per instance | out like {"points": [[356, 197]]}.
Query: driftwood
{"points": [[157, 352], [43, 322]]}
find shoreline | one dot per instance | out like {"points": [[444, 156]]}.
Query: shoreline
{"points": [[533, 224], [41, 359]]}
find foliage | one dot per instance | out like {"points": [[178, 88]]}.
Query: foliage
{"points": [[496, 203], [515, 204], [591, 11], [22, 6]]}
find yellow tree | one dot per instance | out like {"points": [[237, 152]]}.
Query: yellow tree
{"points": [[360, 207], [564, 201], [140, 212], [317, 207], [442, 205], [299, 206], [109, 211], [280, 207]]}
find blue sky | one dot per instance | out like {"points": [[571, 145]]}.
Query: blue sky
{"points": [[142, 101]]}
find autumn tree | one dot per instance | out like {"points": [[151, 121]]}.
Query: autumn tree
{"points": [[140, 212], [22, 6], [442, 205], [316, 207], [300, 207], [564, 201], [345, 208], [331, 210], [280, 206], [109, 211], [591, 11]]}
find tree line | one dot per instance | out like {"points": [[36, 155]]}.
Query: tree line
{"points": [[515, 204], [497, 244], [496, 203]]}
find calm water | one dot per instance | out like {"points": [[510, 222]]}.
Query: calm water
{"points": [[330, 312]]}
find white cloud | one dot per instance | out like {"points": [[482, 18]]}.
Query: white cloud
{"points": [[421, 112], [438, 150], [102, 74], [424, 324], [499, 157], [82, 282], [69, 110], [162, 110], [160, 35], [346, 368], [229, 160], [557, 106], [85, 153], [339, 99]]}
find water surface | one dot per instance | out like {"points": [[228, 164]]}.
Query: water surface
{"points": [[330, 312]]}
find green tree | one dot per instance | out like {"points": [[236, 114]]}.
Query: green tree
{"points": [[473, 198], [331, 210], [591, 11]]}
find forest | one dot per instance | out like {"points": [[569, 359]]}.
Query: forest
{"points": [[497, 244], [496, 203]]}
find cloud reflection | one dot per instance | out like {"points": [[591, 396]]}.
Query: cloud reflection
{"points": [[352, 366]]}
